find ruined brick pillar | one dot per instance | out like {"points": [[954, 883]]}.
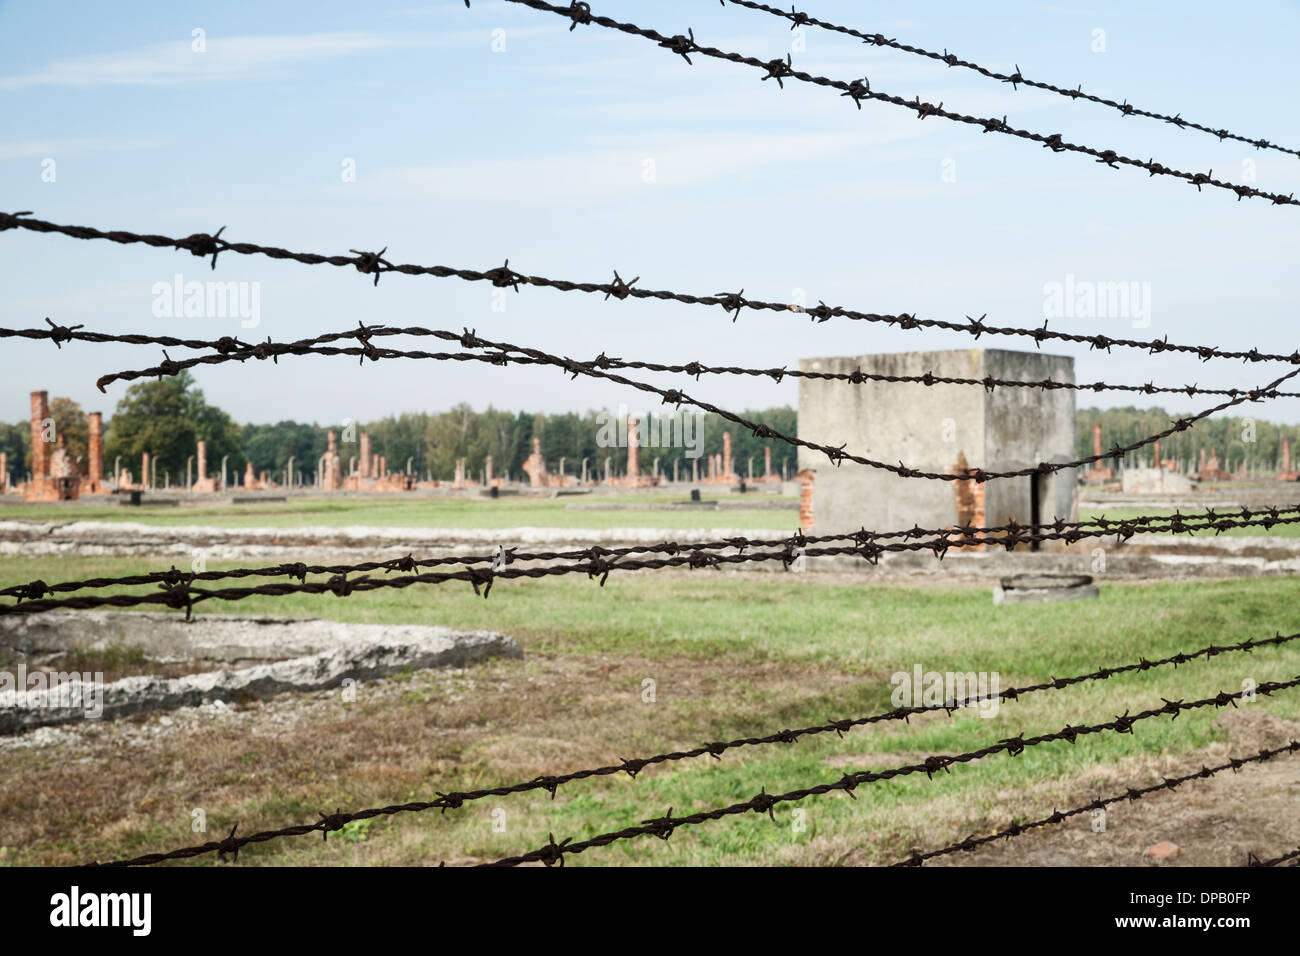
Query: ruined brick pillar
{"points": [[40, 449], [249, 479], [95, 449], [767, 462], [535, 466], [1155, 455], [4, 473], [1096, 440], [1286, 455], [969, 495], [203, 484], [144, 471], [459, 481], [633, 451], [332, 473], [365, 455], [726, 456], [806, 482], [1201, 467]]}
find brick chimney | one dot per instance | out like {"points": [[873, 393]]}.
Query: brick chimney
{"points": [[633, 451], [40, 448], [95, 449]]}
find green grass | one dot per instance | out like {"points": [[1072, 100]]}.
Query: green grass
{"points": [[459, 513], [841, 624]]}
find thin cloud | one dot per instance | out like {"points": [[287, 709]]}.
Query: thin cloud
{"points": [[225, 59]]}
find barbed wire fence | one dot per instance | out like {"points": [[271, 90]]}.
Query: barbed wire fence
{"points": [[181, 590]]}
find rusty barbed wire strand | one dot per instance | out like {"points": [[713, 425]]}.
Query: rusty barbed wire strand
{"points": [[1132, 793], [501, 355], [1122, 528], [204, 244], [180, 593], [764, 802], [1277, 860], [696, 369], [59, 334], [1103, 527], [783, 69], [716, 749], [1016, 79]]}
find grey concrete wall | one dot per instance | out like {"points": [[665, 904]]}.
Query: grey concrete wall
{"points": [[926, 427], [1026, 426]]}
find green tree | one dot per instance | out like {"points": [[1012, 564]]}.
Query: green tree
{"points": [[167, 418], [269, 448], [14, 440]]}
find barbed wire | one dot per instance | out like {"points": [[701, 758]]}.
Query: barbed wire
{"points": [[715, 749], [1133, 793], [695, 369], [664, 827], [1016, 79], [597, 369], [858, 90], [1122, 528], [371, 263], [180, 593], [1275, 861], [59, 334]]}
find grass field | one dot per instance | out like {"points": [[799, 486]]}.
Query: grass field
{"points": [[466, 513], [437, 513], [731, 654]]}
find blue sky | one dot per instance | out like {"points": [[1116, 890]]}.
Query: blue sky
{"points": [[466, 156]]}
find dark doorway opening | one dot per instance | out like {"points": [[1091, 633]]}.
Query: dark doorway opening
{"points": [[1035, 506]]}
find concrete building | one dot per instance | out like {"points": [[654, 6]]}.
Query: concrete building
{"points": [[939, 428]]}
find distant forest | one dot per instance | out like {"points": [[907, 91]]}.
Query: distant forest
{"points": [[1234, 439], [167, 417]]}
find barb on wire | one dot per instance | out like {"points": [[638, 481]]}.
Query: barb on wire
{"points": [[1058, 816], [180, 592], [502, 276], [503, 353], [858, 91], [58, 334], [1277, 860], [664, 827], [694, 368], [716, 749], [1068, 531], [1016, 79]]}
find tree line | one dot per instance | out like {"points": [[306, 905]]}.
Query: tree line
{"points": [[1233, 438], [167, 418]]}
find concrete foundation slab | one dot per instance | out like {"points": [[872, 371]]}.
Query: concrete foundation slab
{"points": [[320, 655]]}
